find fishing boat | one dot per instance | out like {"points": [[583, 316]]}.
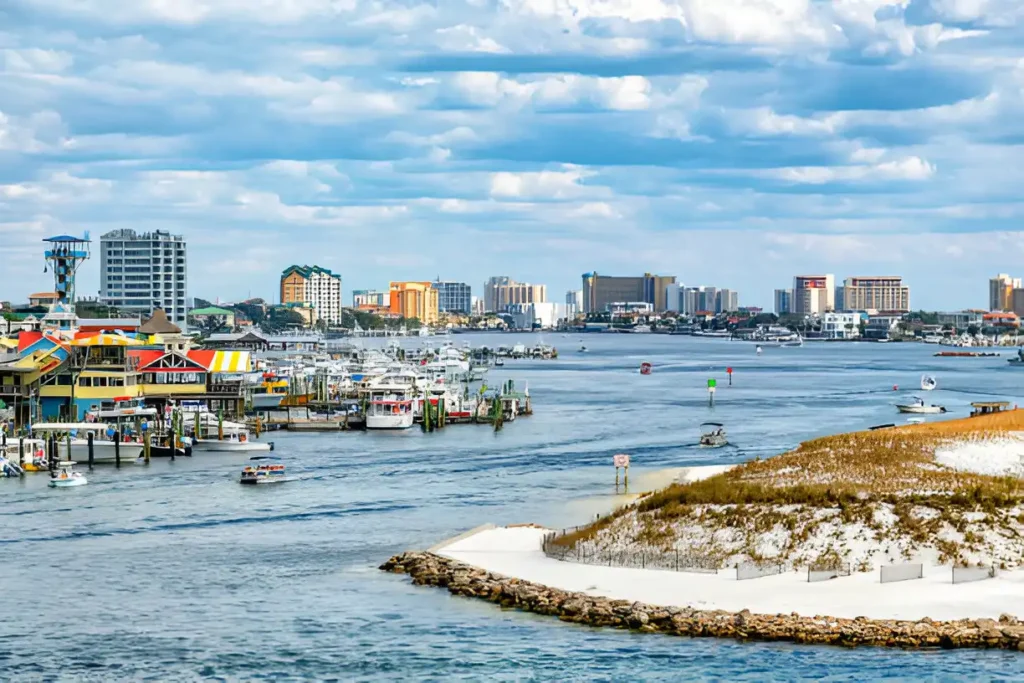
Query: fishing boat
{"points": [[928, 383], [233, 443], [265, 472], [645, 368], [65, 476], [919, 407], [712, 435]]}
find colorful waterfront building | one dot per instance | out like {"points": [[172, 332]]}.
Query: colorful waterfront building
{"points": [[414, 300]]}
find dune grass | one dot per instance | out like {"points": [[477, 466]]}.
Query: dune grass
{"points": [[885, 483]]}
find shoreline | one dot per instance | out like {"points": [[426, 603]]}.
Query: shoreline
{"points": [[462, 579]]}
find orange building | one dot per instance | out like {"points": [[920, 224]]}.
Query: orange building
{"points": [[414, 300]]}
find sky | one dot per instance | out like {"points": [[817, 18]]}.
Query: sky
{"points": [[732, 143]]}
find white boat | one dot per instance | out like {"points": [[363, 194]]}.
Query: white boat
{"points": [[583, 349], [232, 443], [391, 405], [713, 435], [104, 449], [264, 473], [928, 383], [759, 350], [65, 477], [919, 407], [799, 341]]}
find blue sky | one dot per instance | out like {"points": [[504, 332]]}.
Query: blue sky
{"points": [[728, 142]]}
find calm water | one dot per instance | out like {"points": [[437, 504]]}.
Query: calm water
{"points": [[175, 572]]}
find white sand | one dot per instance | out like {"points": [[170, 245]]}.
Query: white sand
{"points": [[516, 552], [997, 457]]}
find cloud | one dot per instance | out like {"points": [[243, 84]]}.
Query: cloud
{"points": [[551, 137]]}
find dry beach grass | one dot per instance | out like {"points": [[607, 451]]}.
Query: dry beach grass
{"points": [[863, 497]]}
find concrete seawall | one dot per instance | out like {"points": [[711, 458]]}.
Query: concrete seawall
{"points": [[428, 569]]}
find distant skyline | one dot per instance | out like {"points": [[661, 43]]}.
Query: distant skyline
{"points": [[732, 144]]}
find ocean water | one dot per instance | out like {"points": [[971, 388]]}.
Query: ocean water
{"points": [[174, 572]]}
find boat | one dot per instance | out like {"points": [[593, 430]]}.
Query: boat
{"points": [[390, 406], [920, 407], [1019, 360], [645, 368], [105, 450], [583, 349], [232, 443], [65, 477], [799, 341], [264, 473], [758, 350], [928, 383], [713, 435], [269, 394]]}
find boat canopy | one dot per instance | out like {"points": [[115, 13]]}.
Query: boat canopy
{"points": [[69, 426], [712, 424], [264, 457]]}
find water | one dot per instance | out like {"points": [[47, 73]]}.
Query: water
{"points": [[175, 572]]}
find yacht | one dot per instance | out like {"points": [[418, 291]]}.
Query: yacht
{"points": [[390, 403]]}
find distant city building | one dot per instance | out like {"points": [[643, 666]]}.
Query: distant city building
{"points": [[414, 300], [370, 298], [727, 301], [885, 293], [783, 301], [1000, 292], [316, 286], [961, 320], [600, 290], [500, 292], [840, 298], [619, 308], [200, 316], [1016, 301], [840, 325], [573, 302], [454, 297], [140, 273], [673, 297], [544, 315], [477, 306], [813, 294]]}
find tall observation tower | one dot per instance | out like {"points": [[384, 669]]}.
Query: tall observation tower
{"points": [[63, 255]]}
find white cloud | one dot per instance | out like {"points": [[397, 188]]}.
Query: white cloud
{"points": [[907, 168], [35, 60], [492, 89], [565, 184]]}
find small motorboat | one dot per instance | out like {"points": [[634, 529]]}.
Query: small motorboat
{"points": [[65, 476], [919, 407], [583, 349], [645, 368], [799, 341], [265, 472], [928, 383], [759, 350], [712, 435]]}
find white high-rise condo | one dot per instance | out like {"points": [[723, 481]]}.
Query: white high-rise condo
{"points": [[142, 272]]}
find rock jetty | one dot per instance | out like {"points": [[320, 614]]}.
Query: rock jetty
{"points": [[428, 569]]}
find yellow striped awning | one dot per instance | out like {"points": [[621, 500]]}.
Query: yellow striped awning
{"points": [[8, 343], [231, 361], [107, 340]]}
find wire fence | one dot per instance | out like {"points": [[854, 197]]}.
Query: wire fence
{"points": [[671, 560]]}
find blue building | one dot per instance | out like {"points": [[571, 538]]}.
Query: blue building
{"points": [[454, 297]]}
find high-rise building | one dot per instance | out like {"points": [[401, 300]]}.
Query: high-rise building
{"points": [[1000, 292], [673, 297], [140, 273], [840, 298], [707, 300], [454, 297], [477, 306], [813, 294], [414, 300], [728, 301], [370, 298], [884, 293], [573, 303], [783, 301], [313, 286], [500, 292], [601, 290]]}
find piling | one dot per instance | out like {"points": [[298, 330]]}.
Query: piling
{"points": [[51, 452], [117, 448], [146, 445], [440, 413], [91, 446], [21, 451], [259, 425], [220, 424]]}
